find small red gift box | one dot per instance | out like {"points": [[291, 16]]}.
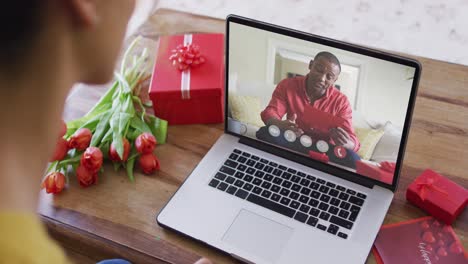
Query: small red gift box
{"points": [[185, 92], [375, 172], [437, 195]]}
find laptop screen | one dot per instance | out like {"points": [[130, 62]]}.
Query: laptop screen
{"points": [[332, 105]]}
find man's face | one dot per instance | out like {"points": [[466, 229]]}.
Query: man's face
{"points": [[323, 74]]}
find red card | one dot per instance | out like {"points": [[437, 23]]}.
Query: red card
{"points": [[419, 241]]}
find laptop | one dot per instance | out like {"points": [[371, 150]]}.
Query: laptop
{"points": [[264, 202]]}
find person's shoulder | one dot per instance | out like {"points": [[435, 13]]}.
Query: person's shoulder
{"points": [[294, 82], [338, 95], [25, 240]]}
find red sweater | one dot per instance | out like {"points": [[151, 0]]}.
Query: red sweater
{"points": [[290, 98]]}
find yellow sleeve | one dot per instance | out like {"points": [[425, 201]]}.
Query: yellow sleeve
{"points": [[23, 239]]}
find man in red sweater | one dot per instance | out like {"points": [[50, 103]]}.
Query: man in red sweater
{"points": [[316, 89]]}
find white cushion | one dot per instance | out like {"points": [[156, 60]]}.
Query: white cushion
{"points": [[388, 146], [368, 138], [241, 128], [246, 109], [261, 90]]}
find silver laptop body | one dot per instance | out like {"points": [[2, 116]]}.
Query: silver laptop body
{"points": [[249, 219]]}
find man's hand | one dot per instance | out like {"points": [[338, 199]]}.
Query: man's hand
{"points": [[341, 138], [288, 124]]}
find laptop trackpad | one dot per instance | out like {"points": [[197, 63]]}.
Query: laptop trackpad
{"points": [[258, 235]]}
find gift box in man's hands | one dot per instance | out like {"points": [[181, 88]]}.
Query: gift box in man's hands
{"points": [[188, 79], [437, 195]]}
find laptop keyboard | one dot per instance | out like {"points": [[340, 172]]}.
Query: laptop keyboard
{"points": [[295, 194]]}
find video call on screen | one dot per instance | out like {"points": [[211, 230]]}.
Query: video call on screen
{"points": [[335, 106]]}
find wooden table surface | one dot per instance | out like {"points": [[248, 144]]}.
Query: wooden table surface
{"points": [[117, 218]]}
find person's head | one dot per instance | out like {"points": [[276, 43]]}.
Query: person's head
{"points": [[324, 70], [88, 32], [46, 46]]}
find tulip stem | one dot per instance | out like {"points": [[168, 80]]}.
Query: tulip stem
{"points": [[67, 162], [52, 167], [66, 175]]}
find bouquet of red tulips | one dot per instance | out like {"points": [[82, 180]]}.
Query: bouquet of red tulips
{"points": [[117, 128]]}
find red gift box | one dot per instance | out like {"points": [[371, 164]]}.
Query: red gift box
{"points": [[194, 95], [374, 172], [437, 195]]}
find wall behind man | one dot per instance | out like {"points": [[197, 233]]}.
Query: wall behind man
{"points": [[385, 96], [383, 90]]}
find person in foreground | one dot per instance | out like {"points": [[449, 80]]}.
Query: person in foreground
{"points": [[45, 47]]}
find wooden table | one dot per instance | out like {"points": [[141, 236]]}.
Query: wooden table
{"points": [[116, 218]]}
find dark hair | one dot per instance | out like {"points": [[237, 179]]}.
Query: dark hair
{"points": [[329, 56], [20, 20]]}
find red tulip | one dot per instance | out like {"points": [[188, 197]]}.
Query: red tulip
{"points": [[86, 177], [148, 163], [92, 159], [81, 139], [54, 183], [145, 143], [114, 156], [63, 128], [61, 150]]}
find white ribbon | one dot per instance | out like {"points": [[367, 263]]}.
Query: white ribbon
{"points": [[185, 80]]}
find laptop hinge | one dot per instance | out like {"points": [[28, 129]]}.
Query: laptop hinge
{"points": [[341, 173], [241, 259]]}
